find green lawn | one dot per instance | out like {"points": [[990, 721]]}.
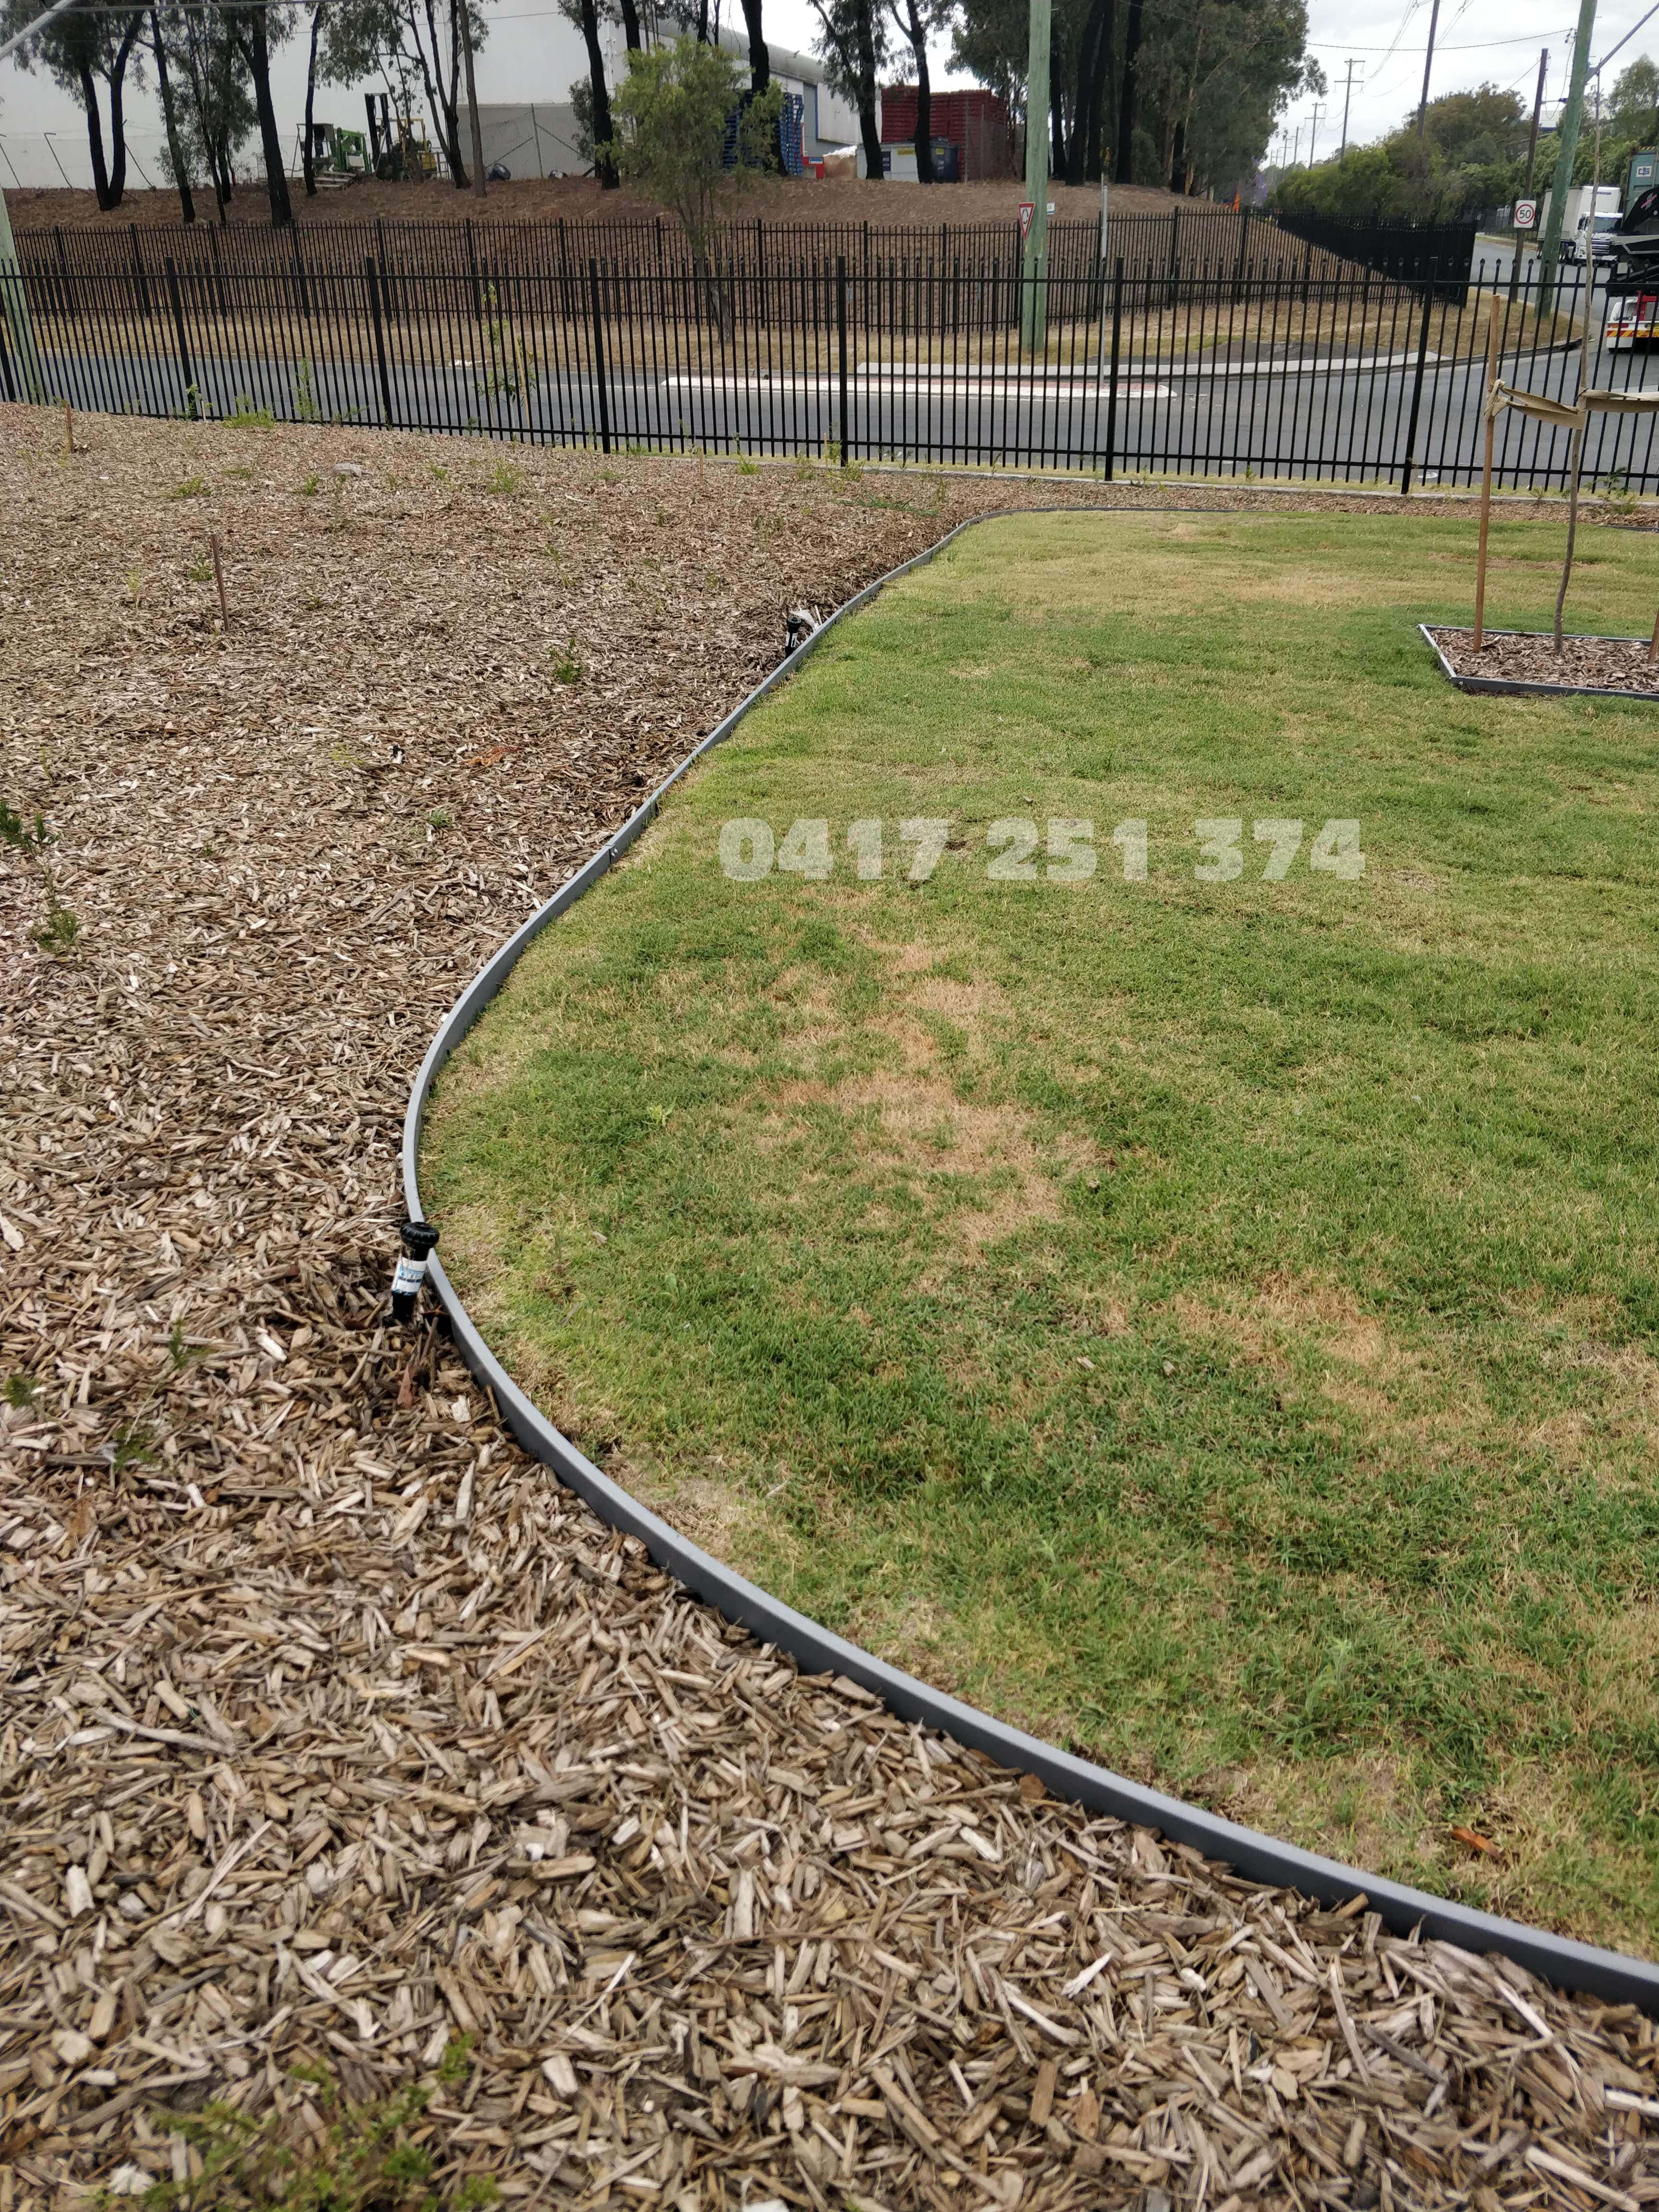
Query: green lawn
{"points": [[1211, 1322]]}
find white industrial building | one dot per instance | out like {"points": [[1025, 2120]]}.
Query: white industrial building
{"points": [[534, 138]]}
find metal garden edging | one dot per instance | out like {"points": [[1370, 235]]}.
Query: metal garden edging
{"points": [[1516, 686], [1554, 1959]]}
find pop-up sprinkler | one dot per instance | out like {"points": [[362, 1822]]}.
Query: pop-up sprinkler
{"points": [[419, 1238]]}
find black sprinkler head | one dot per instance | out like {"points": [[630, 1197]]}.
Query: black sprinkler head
{"points": [[419, 1238]]}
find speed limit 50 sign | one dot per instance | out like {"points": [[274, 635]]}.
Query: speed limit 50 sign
{"points": [[1526, 215]]}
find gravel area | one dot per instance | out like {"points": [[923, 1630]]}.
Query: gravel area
{"points": [[331, 1729], [1599, 664]]}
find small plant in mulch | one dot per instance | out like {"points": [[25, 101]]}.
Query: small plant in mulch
{"points": [[192, 487], [567, 669], [57, 934], [326, 2154]]}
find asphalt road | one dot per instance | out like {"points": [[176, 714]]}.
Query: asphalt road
{"points": [[1310, 415]]}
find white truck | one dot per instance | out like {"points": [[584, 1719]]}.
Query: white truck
{"points": [[1585, 229]]}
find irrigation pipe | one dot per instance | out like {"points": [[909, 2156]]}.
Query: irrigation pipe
{"points": [[1555, 1958]]}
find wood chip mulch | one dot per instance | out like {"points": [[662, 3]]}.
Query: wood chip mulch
{"points": [[332, 1728], [1613, 664]]}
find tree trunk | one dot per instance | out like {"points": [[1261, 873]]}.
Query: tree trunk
{"points": [[703, 22], [1178, 158], [95, 139], [256, 52], [759, 62], [175, 151], [308, 154], [870, 129], [1100, 95], [1057, 128], [918, 36], [631, 16], [604, 167], [479, 186], [117, 105], [1123, 170], [1076, 152]]}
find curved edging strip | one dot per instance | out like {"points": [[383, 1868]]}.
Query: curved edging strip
{"points": [[1555, 1958]]}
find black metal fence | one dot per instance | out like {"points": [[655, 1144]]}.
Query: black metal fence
{"points": [[1208, 366], [754, 251], [1415, 253]]}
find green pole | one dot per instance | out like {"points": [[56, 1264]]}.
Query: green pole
{"points": [[13, 303], [1550, 246], [1034, 306]]}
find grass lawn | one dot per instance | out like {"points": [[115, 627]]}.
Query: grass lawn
{"points": [[1209, 1321]]}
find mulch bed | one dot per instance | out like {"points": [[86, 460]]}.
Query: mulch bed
{"points": [[331, 1727], [1612, 665]]}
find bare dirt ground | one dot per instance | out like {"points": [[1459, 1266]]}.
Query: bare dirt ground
{"points": [[332, 1728], [579, 199]]}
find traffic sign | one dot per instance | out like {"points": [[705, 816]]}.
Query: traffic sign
{"points": [[1027, 210], [1526, 215]]}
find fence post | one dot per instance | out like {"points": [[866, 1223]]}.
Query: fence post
{"points": [[192, 405], [380, 336], [1175, 252], [840, 340], [301, 297], [1417, 382], [598, 357], [138, 272], [472, 265], [1117, 342], [1243, 252]]}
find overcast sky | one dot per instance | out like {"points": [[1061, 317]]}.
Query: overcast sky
{"points": [[1478, 41]]}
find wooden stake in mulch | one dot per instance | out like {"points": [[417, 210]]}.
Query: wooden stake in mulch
{"points": [[1491, 413], [1653, 649], [219, 579], [69, 428]]}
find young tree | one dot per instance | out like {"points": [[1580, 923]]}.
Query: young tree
{"points": [[675, 107], [853, 41], [177, 162], [76, 50]]}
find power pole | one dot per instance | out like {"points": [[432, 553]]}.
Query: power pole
{"points": [[1537, 109], [1347, 94], [1313, 131], [1428, 63], [1571, 116], [1034, 316]]}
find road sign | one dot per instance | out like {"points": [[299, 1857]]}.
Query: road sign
{"points": [[1526, 215], [1027, 210]]}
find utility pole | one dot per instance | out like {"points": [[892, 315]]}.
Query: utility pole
{"points": [[1034, 307], [1347, 94], [1537, 109], [1428, 63], [1313, 131], [1571, 116]]}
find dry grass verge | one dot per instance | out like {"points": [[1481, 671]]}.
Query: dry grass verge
{"points": [[333, 1730]]}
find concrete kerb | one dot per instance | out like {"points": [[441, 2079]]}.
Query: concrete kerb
{"points": [[1610, 1975]]}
